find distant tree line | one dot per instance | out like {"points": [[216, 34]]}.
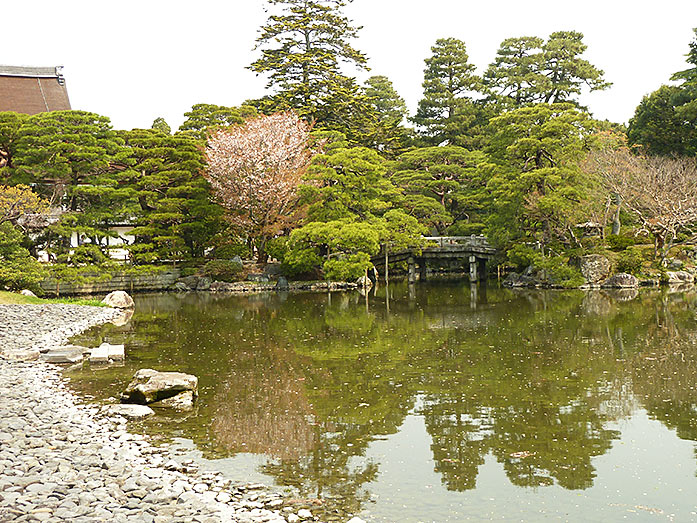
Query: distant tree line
{"points": [[323, 172]]}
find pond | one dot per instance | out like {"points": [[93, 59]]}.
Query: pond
{"points": [[434, 402]]}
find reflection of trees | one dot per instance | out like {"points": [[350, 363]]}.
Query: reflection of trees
{"points": [[664, 373], [261, 407], [531, 378]]}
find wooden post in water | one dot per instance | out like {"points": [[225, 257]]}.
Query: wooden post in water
{"points": [[387, 264]]}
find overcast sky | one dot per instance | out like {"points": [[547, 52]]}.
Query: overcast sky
{"points": [[136, 60]]}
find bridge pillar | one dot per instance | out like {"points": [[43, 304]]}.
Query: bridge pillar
{"points": [[423, 270], [481, 269], [412, 269], [473, 269]]}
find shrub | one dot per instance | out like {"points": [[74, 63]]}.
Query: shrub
{"points": [[631, 261], [222, 270], [18, 268], [557, 271], [522, 256], [620, 243]]}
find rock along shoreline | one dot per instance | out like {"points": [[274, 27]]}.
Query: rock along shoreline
{"points": [[62, 460]]}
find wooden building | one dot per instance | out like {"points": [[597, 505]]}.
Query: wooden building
{"points": [[32, 90]]}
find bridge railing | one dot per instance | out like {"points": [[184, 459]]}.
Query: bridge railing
{"points": [[443, 241]]}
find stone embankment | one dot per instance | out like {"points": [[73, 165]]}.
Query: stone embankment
{"points": [[61, 460]]}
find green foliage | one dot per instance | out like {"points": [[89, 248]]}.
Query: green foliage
{"points": [[205, 117], [18, 269], [523, 256], [176, 219], [349, 268], [160, 124], [77, 160], [389, 135], [665, 122], [528, 70], [659, 124], [10, 125], [630, 260], [537, 190], [348, 183], [442, 185], [447, 113], [303, 48], [620, 243], [222, 270]]}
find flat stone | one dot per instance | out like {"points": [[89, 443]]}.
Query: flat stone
{"points": [[130, 411], [21, 355], [149, 386], [99, 355], [68, 354], [182, 401], [114, 352]]}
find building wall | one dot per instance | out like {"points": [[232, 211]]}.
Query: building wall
{"points": [[32, 95]]}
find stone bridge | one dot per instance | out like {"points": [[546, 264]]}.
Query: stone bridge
{"points": [[440, 250]]}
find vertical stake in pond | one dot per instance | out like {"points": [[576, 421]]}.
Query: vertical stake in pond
{"points": [[387, 264]]}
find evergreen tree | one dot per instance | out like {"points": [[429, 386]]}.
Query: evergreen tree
{"points": [[77, 160], [515, 75], [203, 117], [161, 124], [302, 51], [389, 135], [10, 125], [176, 219], [447, 113], [665, 122], [528, 70], [537, 188], [442, 186]]}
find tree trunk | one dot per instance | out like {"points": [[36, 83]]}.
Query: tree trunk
{"points": [[616, 225]]}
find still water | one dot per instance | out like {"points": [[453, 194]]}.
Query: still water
{"points": [[444, 402]]}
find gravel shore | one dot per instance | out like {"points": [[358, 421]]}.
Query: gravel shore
{"points": [[61, 460]]}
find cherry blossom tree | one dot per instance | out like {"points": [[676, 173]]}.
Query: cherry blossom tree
{"points": [[255, 169]]}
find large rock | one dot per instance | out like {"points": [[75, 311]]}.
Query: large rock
{"points": [[27, 292], [680, 277], [149, 386], [204, 284], [119, 300], [594, 267], [282, 284], [621, 280]]}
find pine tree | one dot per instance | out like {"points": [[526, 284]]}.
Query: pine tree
{"points": [[528, 70], [303, 48], [447, 112]]}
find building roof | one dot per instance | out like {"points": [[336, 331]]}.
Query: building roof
{"points": [[32, 90], [32, 72]]}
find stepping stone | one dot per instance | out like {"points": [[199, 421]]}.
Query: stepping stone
{"points": [[114, 352], [100, 355], [68, 354], [129, 411]]}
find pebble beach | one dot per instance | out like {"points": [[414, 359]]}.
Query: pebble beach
{"points": [[64, 460]]}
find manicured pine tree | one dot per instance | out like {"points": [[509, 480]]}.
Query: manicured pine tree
{"points": [[447, 113]]}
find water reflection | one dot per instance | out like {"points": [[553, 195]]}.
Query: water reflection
{"points": [[535, 379]]}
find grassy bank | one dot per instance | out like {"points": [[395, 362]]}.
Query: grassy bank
{"points": [[16, 298]]}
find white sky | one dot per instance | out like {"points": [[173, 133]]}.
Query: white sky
{"points": [[136, 60]]}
